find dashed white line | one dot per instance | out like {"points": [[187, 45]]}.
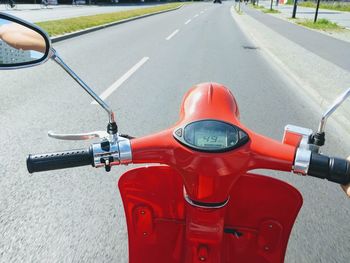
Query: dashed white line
{"points": [[172, 34], [120, 81], [202, 12], [196, 16], [188, 21]]}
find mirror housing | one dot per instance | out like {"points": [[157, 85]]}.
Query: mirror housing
{"points": [[22, 44]]}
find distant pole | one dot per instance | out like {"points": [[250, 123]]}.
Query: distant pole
{"points": [[318, 5], [295, 8], [277, 2], [271, 4]]}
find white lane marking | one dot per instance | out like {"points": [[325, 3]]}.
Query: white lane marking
{"points": [[172, 34], [202, 12], [196, 16], [120, 81], [188, 21]]}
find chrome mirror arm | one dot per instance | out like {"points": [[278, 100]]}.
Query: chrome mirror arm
{"points": [[331, 109], [318, 138], [104, 105]]}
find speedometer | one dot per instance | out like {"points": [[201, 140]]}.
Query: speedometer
{"points": [[211, 136]]}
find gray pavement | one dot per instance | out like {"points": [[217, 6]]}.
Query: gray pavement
{"points": [[331, 49], [76, 215], [34, 13], [341, 18]]}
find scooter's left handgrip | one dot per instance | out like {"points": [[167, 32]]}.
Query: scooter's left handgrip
{"points": [[59, 160]]}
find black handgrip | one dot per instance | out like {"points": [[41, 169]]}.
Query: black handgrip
{"points": [[59, 160], [333, 169]]}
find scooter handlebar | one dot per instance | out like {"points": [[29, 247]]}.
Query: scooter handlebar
{"points": [[59, 160], [333, 169]]}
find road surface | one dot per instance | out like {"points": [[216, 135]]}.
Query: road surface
{"points": [[76, 215]]}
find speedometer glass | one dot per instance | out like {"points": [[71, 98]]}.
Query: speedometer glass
{"points": [[211, 135], [214, 139]]}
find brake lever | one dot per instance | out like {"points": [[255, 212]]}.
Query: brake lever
{"points": [[78, 136]]}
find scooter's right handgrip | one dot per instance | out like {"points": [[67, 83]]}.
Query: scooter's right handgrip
{"points": [[59, 160], [333, 169]]}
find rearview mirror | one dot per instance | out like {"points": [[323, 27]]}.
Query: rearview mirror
{"points": [[21, 44]]}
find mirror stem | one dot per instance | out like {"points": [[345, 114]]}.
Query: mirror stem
{"points": [[104, 105], [331, 109]]}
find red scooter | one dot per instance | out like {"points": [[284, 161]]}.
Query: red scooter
{"points": [[199, 200]]}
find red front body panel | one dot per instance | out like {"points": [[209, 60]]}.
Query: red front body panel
{"points": [[162, 227]]}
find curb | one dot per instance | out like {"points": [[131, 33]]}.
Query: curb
{"points": [[92, 29]]}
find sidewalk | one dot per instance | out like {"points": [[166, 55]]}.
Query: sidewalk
{"points": [[316, 64], [341, 18]]}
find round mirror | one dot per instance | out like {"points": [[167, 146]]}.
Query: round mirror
{"points": [[21, 44]]}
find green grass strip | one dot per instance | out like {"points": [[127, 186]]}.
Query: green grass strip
{"points": [[265, 10], [330, 6], [321, 24], [65, 26], [257, 6], [271, 11]]}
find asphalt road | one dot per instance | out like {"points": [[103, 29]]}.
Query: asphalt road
{"points": [[76, 215]]}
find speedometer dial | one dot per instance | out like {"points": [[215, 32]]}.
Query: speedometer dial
{"points": [[211, 136]]}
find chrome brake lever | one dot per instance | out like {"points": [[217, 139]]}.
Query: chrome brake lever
{"points": [[78, 136]]}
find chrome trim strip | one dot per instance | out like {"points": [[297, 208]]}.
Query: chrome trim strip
{"points": [[189, 201], [302, 161], [125, 153]]}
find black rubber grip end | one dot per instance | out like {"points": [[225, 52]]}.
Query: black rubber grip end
{"points": [[59, 160], [333, 169]]}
